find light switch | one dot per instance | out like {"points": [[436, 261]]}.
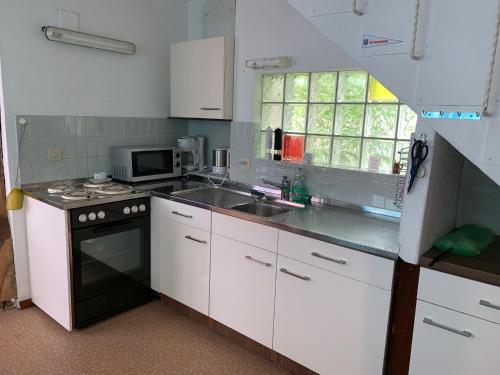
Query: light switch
{"points": [[68, 19], [55, 154]]}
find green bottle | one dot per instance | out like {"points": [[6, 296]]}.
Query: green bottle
{"points": [[299, 190]]}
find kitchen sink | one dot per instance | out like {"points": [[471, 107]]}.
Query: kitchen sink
{"points": [[260, 209]]}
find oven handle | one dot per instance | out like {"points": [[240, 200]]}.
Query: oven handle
{"points": [[105, 227]]}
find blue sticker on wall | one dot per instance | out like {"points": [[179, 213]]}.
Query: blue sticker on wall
{"points": [[370, 41], [451, 115]]}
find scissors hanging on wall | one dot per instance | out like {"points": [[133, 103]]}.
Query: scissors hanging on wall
{"points": [[419, 152]]}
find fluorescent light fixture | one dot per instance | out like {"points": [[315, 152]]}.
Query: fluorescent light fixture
{"points": [[57, 34], [451, 115], [283, 62]]}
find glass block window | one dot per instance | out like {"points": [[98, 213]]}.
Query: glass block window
{"points": [[343, 118]]}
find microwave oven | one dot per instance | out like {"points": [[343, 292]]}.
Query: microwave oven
{"points": [[144, 163]]}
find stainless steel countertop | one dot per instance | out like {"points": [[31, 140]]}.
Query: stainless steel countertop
{"points": [[348, 227], [367, 232]]}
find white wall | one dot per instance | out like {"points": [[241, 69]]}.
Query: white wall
{"points": [[46, 78], [266, 28]]}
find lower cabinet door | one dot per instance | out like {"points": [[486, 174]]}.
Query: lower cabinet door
{"points": [[242, 287], [329, 323], [449, 342], [183, 269]]}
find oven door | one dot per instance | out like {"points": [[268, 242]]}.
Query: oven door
{"points": [[153, 163], [110, 257]]}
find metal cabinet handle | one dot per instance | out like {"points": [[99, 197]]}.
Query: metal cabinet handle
{"points": [[195, 239], [486, 303], [450, 329], [355, 10], [210, 109], [258, 261], [413, 50], [305, 278], [338, 261], [183, 215]]}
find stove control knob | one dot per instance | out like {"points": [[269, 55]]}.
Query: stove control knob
{"points": [[142, 207], [178, 155], [101, 215], [135, 209], [177, 165], [126, 210], [92, 216], [82, 218]]}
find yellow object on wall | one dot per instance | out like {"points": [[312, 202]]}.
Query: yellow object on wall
{"points": [[15, 199], [379, 93]]}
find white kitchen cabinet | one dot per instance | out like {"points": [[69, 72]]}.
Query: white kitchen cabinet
{"points": [[201, 78], [458, 41], [450, 342], [242, 287], [386, 28], [180, 262], [49, 260], [327, 322]]}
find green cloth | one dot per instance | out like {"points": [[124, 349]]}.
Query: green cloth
{"points": [[467, 240]]}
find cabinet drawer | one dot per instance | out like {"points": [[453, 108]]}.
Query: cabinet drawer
{"points": [[468, 296], [245, 231], [442, 344], [351, 263], [181, 213], [242, 285]]}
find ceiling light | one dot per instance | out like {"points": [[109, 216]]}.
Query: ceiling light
{"points": [[57, 34]]}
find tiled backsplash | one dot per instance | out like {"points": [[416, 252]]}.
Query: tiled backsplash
{"points": [[85, 142], [365, 188], [217, 135]]}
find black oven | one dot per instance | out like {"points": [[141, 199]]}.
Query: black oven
{"points": [[111, 258]]}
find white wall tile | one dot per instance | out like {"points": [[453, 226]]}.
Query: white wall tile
{"points": [[100, 126], [26, 172], [101, 164], [92, 166], [90, 126], [82, 168], [102, 149], [79, 126], [144, 127], [61, 171], [91, 147], [81, 147], [72, 168], [70, 148]]}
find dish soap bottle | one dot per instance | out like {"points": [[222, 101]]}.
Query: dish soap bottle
{"points": [[299, 190]]}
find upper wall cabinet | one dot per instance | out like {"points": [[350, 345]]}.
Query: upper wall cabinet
{"points": [[386, 28], [457, 38], [201, 78]]}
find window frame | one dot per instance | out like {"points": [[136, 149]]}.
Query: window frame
{"points": [[332, 136]]}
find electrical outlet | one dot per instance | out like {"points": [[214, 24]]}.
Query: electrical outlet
{"points": [[244, 164], [55, 154]]}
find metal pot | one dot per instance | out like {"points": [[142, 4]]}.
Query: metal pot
{"points": [[220, 160]]}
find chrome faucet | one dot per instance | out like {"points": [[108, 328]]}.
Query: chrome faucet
{"points": [[284, 186]]}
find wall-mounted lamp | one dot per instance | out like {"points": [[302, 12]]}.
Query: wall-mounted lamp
{"points": [[57, 34], [283, 62]]}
